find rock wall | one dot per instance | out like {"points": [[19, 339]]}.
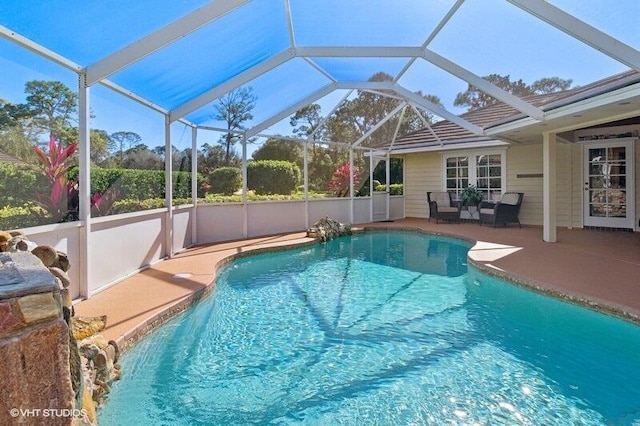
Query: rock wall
{"points": [[35, 380]]}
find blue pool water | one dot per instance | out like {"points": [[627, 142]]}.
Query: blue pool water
{"points": [[386, 328]]}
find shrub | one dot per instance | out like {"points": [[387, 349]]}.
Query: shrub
{"points": [[340, 181], [18, 184], [272, 176], [21, 217], [130, 205], [137, 184], [225, 180], [60, 194], [394, 189]]}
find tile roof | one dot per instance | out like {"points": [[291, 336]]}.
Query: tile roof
{"points": [[499, 113]]}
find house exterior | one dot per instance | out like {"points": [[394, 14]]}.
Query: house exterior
{"points": [[578, 167]]}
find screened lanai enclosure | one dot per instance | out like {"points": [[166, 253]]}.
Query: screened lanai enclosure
{"points": [[130, 131]]}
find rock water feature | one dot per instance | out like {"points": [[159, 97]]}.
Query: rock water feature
{"points": [[327, 229], [54, 368]]}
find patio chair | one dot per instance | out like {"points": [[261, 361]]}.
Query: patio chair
{"points": [[443, 207], [504, 211]]}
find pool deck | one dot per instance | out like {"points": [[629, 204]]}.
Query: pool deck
{"points": [[595, 268]]}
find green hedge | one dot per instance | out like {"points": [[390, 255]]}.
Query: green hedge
{"points": [[138, 184], [394, 189], [272, 177], [19, 184], [129, 205], [225, 180], [21, 217]]}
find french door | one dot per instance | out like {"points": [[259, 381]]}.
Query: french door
{"points": [[609, 183]]}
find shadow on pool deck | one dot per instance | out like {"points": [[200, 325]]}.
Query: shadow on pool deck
{"points": [[599, 268]]}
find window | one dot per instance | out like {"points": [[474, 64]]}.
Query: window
{"points": [[457, 172], [484, 169]]}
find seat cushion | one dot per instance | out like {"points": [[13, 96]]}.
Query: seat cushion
{"points": [[486, 211], [442, 200], [510, 198], [447, 209]]}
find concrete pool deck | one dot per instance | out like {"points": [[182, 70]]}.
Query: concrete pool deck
{"points": [[596, 268]]}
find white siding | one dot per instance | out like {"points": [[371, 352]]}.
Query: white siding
{"points": [[423, 172], [525, 160], [577, 187]]}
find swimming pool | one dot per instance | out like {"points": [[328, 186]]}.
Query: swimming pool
{"points": [[378, 328]]}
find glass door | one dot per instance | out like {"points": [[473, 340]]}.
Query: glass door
{"points": [[608, 184], [380, 199]]}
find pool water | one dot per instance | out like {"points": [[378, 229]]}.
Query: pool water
{"points": [[386, 328]]}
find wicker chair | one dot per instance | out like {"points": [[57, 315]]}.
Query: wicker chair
{"points": [[443, 207], [504, 211]]}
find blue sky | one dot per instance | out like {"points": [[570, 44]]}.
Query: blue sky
{"points": [[484, 36]]}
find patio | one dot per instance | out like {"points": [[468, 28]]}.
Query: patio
{"points": [[596, 267]]}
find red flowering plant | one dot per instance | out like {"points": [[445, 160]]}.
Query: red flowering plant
{"points": [[53, 166], [102, 204], [339, 183], [62, 201]]}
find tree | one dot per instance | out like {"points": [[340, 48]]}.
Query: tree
{"points": [[12, 114], [359, 115], [141, 157], [550, 85], [412, 122], [182, 160], [211, 157], [234, 109], [53, 107], [14, 137], [279, 149], [306, 120], [119, 140], [99, 145], [474, 98]]}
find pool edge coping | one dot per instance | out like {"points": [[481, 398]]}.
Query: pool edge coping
{"points": [[585, 301], [130, 338]]}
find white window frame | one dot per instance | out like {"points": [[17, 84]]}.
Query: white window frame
{"points": [[471, 155]]}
